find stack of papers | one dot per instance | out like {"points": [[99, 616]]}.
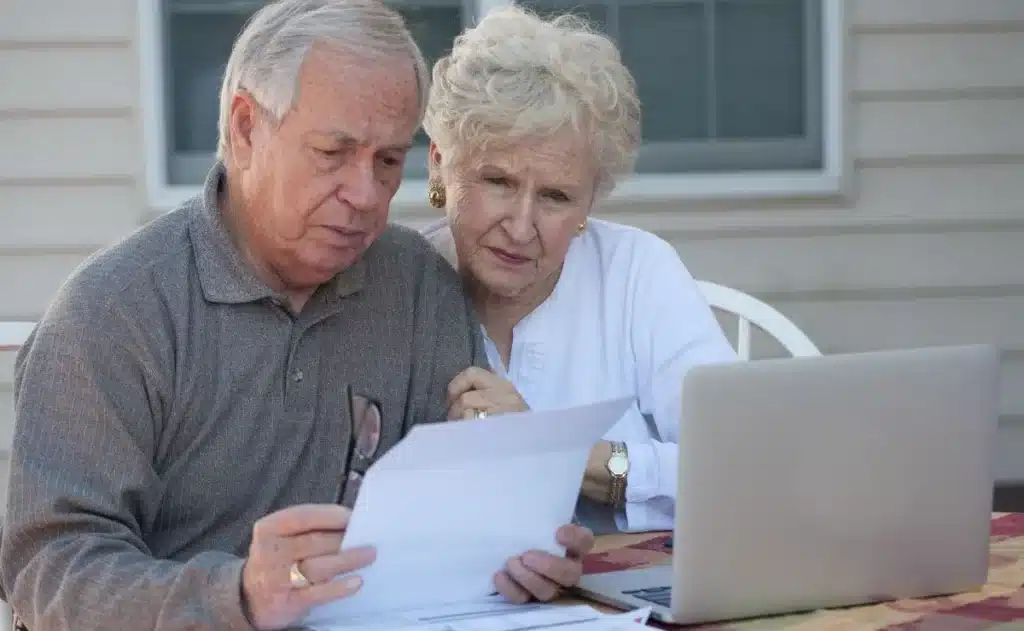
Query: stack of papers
{"points": [[450, 503], [497, 615]]}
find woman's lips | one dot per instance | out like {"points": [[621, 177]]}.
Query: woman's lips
{"points": [[508, 258]]}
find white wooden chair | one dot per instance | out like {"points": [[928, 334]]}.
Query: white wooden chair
{"points": [[751, 311], [12, 336]]}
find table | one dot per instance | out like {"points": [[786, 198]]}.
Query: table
{"points": [[998, 606]]}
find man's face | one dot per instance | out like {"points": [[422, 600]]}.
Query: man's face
{"points": [[317, 186]]}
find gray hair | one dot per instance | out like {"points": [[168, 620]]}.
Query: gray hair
{"points": [[268, 54], [517, 76]]}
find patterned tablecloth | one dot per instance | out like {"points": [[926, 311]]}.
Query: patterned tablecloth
{"points": [[998, 606]]}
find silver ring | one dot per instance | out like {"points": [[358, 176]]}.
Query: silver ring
{"points": [[297, 578], [480, 414]]}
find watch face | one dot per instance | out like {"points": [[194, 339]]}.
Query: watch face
{"points": [[618, 465]]}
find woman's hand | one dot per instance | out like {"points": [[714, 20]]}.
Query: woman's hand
{"points": [[597, 480], [476, 390]]}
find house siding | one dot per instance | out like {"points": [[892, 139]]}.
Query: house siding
{"points": [[70, 152], [925, 248]]}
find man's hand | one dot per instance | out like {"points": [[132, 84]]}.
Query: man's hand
{"points": [[309, 535], [476, 390], [542, 576]]}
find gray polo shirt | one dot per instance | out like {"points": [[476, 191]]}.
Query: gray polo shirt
{"points": [[167, 401]]}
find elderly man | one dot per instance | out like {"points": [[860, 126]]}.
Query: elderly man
{"points": [[184, 407]]}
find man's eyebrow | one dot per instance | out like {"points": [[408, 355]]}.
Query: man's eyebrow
{"points": [[348, 139], [405, 146], [337, 135]]}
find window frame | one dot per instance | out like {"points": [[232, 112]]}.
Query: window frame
{"points": [[829, 181]]}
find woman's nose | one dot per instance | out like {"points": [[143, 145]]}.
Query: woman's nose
{"points": [[521, 224]]}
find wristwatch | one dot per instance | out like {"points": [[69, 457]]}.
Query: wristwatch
{"points": [[618, 467]]}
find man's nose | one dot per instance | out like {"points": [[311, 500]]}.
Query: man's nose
{"points": [[358, 186]]}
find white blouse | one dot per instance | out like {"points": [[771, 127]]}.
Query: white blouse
{"points": [[626, 318]]}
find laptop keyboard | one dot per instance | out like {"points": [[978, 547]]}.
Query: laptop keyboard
{"points": [[657, 595]]}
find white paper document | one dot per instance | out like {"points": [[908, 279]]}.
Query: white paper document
{"points": [[451, 502], [496, 615]]}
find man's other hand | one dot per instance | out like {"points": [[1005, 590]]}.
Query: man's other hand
{"points": [[537, 575]]}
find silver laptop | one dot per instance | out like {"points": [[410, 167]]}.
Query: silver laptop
{"points": [[825, 482]]}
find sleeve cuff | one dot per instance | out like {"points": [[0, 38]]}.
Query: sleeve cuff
{"points": [[650, 487], [226, 596], [643, 476]]}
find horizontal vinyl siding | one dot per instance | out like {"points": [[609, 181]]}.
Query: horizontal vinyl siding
{"points": [[67, 23], [70, 154], [888, 65], [100, 78], [935, 15], [54, 147], [919, 264], [940, 131], [34, 277], [76, 216]]}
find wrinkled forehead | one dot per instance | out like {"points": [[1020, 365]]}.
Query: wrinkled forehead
{"points": [[563, 158], [374, 101]]}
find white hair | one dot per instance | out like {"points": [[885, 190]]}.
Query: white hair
{"points": [[268, 54], [516, 76]]}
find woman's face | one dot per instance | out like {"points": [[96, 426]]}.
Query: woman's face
{"points": [[514, 213]]}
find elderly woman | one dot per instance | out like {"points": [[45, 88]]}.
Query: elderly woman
{"points": [[532, 122]]}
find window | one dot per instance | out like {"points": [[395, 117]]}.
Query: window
{"points": [[726, 85], [736, 93], [197, 36]]}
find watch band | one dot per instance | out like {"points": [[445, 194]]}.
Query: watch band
{"points": [[618, 466]]}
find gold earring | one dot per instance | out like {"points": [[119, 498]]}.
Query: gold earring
{"points": [[435, 194], [582, 227]]}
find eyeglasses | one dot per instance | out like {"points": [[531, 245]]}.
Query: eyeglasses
{"points": [[363, 445]]}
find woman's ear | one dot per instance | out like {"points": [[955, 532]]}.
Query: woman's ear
{"points": [[434, 156]]}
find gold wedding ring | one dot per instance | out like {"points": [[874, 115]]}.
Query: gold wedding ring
{"points": [[297, 578]]}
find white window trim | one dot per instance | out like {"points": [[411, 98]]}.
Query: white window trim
{"points": [[827, 182]]}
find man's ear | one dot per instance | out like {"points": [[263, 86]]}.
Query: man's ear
{"points": [[242, 121]]}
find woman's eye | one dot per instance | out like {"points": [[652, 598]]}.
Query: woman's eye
{"points": [[557, 196], [497, 181]]}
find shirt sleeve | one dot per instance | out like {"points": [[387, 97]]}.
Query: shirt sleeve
{"points": [[672, 329], [455, 341], [73, 557]]}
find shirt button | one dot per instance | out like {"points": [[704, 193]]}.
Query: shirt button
{"points": [[297, 376]]}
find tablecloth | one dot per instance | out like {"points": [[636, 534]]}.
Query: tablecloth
{"points": [[998, 606]]}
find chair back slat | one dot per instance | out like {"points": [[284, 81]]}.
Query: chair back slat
{"points": [[752, 312]]}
